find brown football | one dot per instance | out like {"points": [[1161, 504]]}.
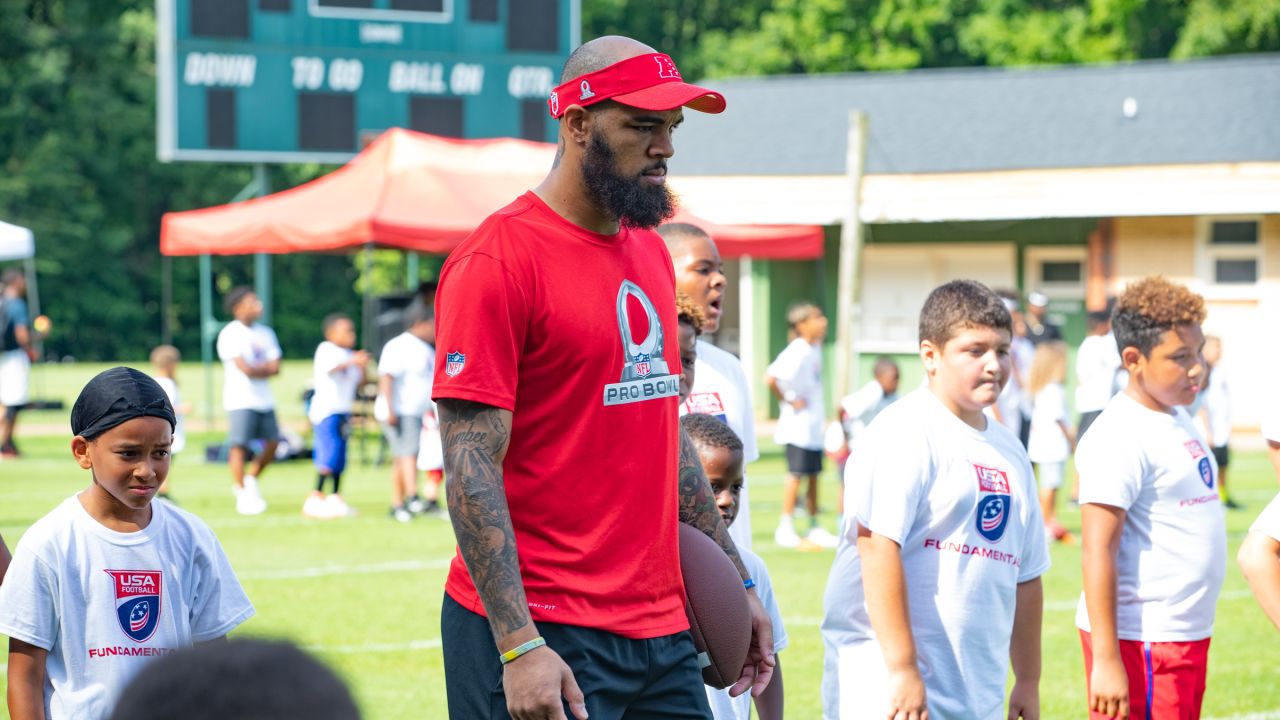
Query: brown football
{"points": [[716, 603]]}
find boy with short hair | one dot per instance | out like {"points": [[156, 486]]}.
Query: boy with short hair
{"points": [[1212, 412], [1259, 558], [250, 355], [689, 319], [720, 387], [936, 585], [858, 409], [108, 579], [405, 373], [720, 451], [337, 373], [795, 378], [1154, 537], [164, 361]]}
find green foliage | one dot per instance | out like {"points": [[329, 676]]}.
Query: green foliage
{"points": [[77, 127], [77, 139]]}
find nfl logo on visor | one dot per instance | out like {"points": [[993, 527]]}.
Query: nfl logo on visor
{"points": [[555, 103], [454, 362]]}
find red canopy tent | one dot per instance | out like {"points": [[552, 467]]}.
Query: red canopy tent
{"points": [[416, 192]]}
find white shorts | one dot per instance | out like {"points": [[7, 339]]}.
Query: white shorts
{"points": [[430, 447], [15, 375], [864, 681], [1051, 475]]}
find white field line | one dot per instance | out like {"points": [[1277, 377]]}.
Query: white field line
{"points": [[327, 570]]}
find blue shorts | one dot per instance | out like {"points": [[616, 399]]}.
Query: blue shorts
{"points": [[330, 454]]}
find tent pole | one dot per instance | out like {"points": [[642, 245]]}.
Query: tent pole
{"points": [[166, 299], [411, 272], [366, 310], [262, 261], [207, 324], [33, 302]]}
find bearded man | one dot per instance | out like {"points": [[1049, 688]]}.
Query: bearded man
{"points": [[567, 472]]}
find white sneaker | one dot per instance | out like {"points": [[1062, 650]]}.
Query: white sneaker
{"points": [[399, 514], [785, 536], [315, 507], [338, 507], [820, 537], [249, 501]]}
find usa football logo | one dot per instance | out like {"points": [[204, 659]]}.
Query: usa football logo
{"points": [[138, 602], [993, 516], [453, 363], [1206, 472], [994, 502], [1195, 448]]}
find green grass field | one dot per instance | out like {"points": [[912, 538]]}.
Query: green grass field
{"points": [[364, 593]]}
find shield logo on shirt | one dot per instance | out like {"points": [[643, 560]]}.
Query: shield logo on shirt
{"points": [[1206, 472], [993, 516], [138, 602], [453, 363]]}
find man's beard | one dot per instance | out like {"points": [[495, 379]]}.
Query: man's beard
{"points": [[630, 200]]}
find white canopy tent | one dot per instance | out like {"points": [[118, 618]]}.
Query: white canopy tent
{"points": [[19, 243]]}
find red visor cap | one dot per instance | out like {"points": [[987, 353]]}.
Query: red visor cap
{"points": [[648, 82]]}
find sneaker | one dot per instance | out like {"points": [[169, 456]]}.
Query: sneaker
{"points": [[400, 514], [1231, 504], [338, 507], [316, 508], [249, 501], [820, 537], [415, 505], [785, 536]]}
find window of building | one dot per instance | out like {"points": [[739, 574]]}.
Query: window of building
{"points": [[1230, 251]]}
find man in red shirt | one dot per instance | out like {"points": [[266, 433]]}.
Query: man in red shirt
{"points": [[558, 409]]}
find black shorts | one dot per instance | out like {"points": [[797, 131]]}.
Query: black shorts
{"points": [[1222, 454], [803, 462], [1086, 419], [622, 679]]}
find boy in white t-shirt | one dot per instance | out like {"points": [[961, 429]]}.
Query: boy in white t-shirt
{"points": [[1151, 521], [1212, 413], [795, 378], [109, 580], [858, 409], [720, 384], [720, 451], [337, 372], [936, 587], [1259, 558], [250, 355], [405, 373], [164, 361]]}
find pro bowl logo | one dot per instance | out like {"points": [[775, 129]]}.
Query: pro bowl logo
{"points": [[994, 502], [646, 374], [138, 602]]}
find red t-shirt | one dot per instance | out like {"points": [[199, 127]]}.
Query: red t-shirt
{"points": [[530, 317]]}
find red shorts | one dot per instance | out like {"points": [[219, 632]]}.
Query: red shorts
{"points": [[1166, 679]]}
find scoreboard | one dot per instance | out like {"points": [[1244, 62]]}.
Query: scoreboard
{"points": [[315, 80]]}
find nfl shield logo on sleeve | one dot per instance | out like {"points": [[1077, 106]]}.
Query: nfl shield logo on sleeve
{"points": [[137, 602], [454, 362]]}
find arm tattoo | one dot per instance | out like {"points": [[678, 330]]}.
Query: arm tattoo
{"points": [[475, 438], [698, 504]]}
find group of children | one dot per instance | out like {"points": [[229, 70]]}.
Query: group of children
{"points": [[251, 355], [935, 590]]}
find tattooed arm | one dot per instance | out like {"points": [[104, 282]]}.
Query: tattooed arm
{"points": [[475, 439], [698, 510]]}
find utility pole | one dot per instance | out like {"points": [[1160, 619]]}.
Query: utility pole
{"points": [[848, 311]]}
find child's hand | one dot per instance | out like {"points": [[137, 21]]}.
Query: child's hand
{"points": [[1024, 701], [799, 404], [906, 695], [360, 358], [1109, 688]]}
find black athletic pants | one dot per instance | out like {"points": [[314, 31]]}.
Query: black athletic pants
{"points": [[622, 679]]}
